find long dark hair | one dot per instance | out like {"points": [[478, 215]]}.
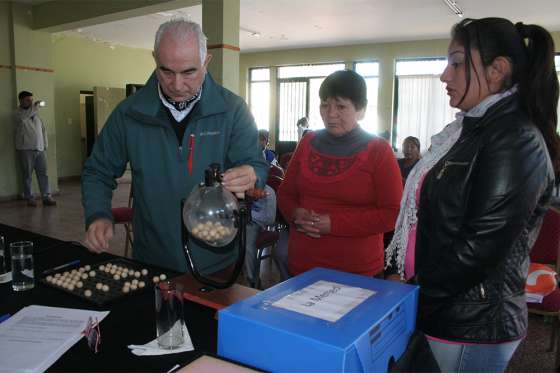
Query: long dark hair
{"points": [[532, 65]]}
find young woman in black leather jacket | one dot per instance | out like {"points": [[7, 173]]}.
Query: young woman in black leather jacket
{"points": [[472, 207]]}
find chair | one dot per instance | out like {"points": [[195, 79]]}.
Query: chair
{"points": [[123, 215], [284, 160], [267, 239], [275, 171], [546, 250]]}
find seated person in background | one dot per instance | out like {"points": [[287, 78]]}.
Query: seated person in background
{"points": [[302, 127], [411, 152], [268, 154], [343, 187], [263, 213]]}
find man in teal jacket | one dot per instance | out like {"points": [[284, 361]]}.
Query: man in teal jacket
{"points": [[170, 131]]}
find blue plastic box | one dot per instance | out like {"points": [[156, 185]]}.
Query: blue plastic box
{"points": [[259, 334]]}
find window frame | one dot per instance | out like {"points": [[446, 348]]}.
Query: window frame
{"points": [[250, 89]]}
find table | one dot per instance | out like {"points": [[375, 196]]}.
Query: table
{"points": [[131, 320]]}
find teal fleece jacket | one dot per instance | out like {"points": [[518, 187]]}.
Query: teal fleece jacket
{"points": [[220, 129]]}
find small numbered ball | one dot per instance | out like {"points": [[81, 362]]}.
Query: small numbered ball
{"points": [[133, 287], [162, 277], [87, 267], [155, 279], [71, 287], [116, 277], [79, 284], [57, 275], [144, 272], [141, 284], [99, 286], [127, 283], [113, 271], [87, 293], [137, 274], [135, 282], [59, 283], [101, 267], [124, 275], [125, 289], [81, 269], [92, 274], [105, 288], [49, 278], [74, 271]]}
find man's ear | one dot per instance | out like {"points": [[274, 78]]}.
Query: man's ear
{"points": [[498, 72], [207, 60], [155, 57]]}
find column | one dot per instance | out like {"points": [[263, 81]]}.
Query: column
{"points": [[220, 23]]}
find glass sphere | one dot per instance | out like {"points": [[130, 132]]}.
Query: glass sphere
{"points": [[210, 215]]}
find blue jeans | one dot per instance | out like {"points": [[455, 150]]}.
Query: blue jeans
{"points": [[34, 160], [473, 358]]}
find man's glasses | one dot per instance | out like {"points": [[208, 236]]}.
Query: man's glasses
{"points": [[92, 334]]}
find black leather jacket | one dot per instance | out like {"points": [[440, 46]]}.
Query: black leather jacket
{"points": [[480, 211]]}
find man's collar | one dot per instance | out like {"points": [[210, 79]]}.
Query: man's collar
{"points": [[146, 101], [186, 106]]}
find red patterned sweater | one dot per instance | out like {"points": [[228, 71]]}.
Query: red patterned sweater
{"points": [[361, 193]]}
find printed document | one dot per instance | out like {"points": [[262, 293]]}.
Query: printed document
{"points": [[325, 300], [35, 337]]}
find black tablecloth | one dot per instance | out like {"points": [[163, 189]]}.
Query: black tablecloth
{"points": [[131, 319]]}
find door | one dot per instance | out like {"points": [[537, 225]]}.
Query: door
{"points": [[105, 100], [90, 125]]}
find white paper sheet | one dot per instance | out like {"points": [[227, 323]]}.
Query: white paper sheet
{"points": [[324, 300], [35, 337], [152, 348]]}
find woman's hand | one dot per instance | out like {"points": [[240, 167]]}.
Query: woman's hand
{"points": [[310, 223], [394, 277]]}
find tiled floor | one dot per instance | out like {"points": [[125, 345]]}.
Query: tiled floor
{"points": [[65, 222]]}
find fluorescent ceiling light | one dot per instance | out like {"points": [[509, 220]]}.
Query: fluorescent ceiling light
{"points": [[452, 4], [252, 33]]}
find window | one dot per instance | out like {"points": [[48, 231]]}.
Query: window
{"points": [[421, 103], [370, 72], [298, 96], [259, 96]]}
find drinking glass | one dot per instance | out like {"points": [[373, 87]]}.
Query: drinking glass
{"points": [[23, 277], [169, 315]]}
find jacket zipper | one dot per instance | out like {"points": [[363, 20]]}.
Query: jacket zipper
{"points": [[482, 292], [191, 153], [449, 163]]}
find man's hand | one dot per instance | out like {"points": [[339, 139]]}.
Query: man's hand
{"points": [[240, 179], [98, 235]]}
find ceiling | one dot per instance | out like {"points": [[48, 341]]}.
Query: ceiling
{"points": [[284, 24]]}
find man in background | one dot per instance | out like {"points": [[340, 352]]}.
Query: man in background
{"points": [[31, 146]]}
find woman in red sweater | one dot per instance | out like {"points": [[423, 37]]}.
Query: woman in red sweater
{"points": [[343, 187]]}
